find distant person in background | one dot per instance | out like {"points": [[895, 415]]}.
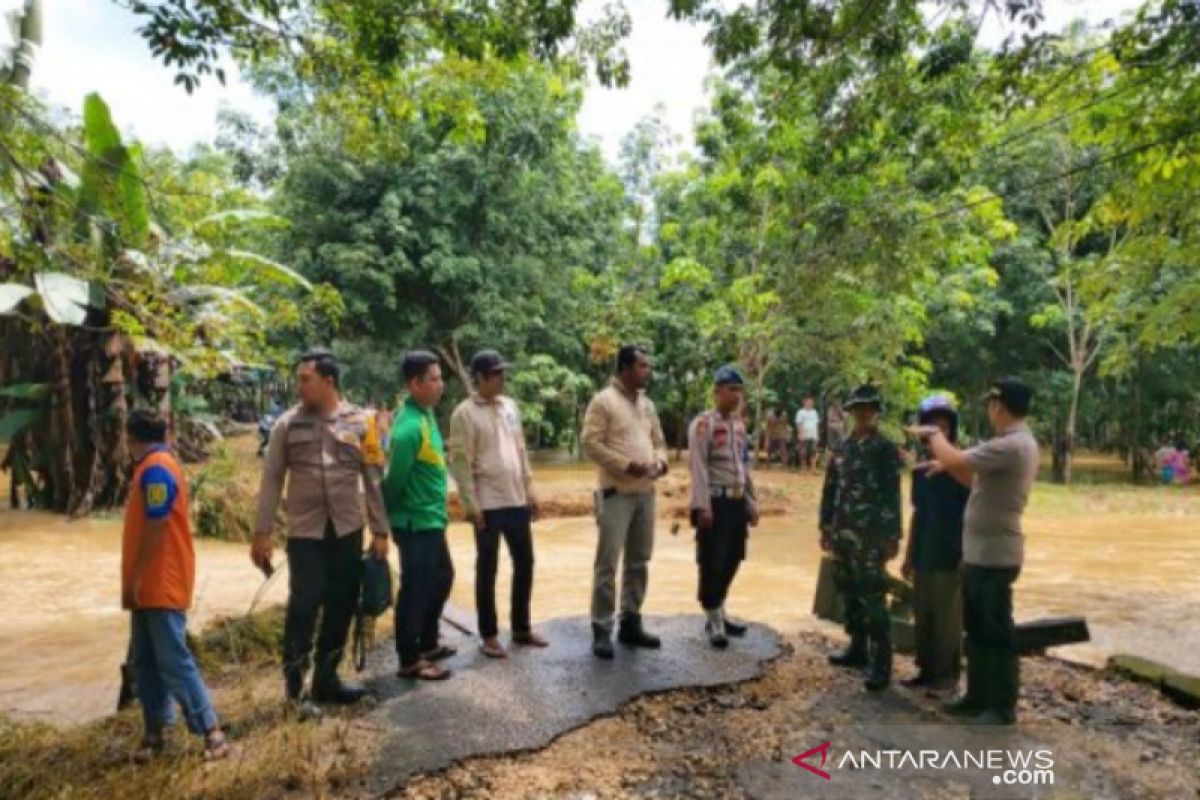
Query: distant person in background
{"points": [[1164, 458], [808, 427], [932, 559], [1181, 464], [777, 436], [158, 574], [835, 426], [1000, 472]]}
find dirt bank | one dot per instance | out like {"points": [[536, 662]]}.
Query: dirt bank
{"points": [[1104, 732], [694, 743]]}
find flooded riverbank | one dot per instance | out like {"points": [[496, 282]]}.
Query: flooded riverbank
{"points": [[1124, 557]]}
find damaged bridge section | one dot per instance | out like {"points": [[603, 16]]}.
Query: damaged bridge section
{"points": [[526, 701]]}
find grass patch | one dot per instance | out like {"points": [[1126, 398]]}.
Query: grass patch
{"points": [[273, 756]]}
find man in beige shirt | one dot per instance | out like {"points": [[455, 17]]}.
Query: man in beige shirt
{"points": [[325, 448], [490, 464], [622, 435]]}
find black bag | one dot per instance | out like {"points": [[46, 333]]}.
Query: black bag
{"points": [[376, 587], [376, 598]]}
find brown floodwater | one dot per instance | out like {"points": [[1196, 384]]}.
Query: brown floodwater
{"points": [[1126, 558], [63, 634]]}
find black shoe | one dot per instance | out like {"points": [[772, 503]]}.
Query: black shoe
{"points": [[602, 646], [339, 693], [974, 700], [735, 629], [879, 675], [302, 710], [716, 638], [632, 634], [920, 682], [855, 654]]}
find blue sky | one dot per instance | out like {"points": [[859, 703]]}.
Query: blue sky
{"points": [[90, 45]]}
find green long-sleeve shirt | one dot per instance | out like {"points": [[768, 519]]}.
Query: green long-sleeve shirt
{"points": [[414, 489]]}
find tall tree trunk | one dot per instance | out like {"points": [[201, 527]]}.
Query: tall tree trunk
{"points": [[453, 358], [1068, 445]]}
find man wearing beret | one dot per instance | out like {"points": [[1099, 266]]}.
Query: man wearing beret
{"points": [[723, 504]]}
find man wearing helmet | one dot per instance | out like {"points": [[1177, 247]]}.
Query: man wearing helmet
{"points": [[932, 558]]}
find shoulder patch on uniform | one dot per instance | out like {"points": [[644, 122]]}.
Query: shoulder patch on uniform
{"points": [[702, 425]]}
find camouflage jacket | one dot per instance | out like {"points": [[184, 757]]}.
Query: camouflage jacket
{"points": [[862, 489]]}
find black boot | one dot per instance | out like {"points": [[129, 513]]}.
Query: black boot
{"points": [[602, 646], [735, 629], [855, 655], [879, 675], [632, 634], [975, 698], [298, 706], [1003, 681], [337, 692]]}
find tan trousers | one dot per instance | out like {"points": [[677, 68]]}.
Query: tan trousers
{"points": [[626, 525], [937, 609]]}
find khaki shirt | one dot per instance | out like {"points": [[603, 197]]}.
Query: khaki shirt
{"points": [[618, 431], [1005, 468], [488, 458], [718, 459], [325, 460]]}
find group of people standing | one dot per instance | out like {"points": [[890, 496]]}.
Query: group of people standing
{"points": [[800, 444], [965, 546], [341, 477]]}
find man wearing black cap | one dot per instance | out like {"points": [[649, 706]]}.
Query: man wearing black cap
{"points": [[723, 504], [860, 525], [1000, 473], [490, 464]]}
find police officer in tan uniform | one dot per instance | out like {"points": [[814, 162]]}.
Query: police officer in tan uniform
{"points": [[723, 503], [330, 453]]}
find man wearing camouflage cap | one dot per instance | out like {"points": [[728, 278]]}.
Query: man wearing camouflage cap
{"points": [[723, 504], [860, 525]]}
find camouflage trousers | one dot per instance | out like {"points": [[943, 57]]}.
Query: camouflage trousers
{"points": [[861, 578]]}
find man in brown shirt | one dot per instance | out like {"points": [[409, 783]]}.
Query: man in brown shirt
{"points": [[326, 448], [622, 435], [490, 465]]}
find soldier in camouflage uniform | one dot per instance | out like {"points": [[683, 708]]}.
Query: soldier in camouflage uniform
{"points": [[860, 526]]}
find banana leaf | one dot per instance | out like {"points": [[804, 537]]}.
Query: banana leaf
{"points": [[11, 295], [18, 420], [26, 391]]}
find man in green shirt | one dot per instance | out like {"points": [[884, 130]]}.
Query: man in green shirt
{"points": [[414, 492]]}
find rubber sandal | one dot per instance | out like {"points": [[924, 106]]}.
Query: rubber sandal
{"points": [[493, 650], [439, 653], [216, 746], [529, 639], [424, 671]]}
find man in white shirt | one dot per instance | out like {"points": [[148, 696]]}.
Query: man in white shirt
{"points": [[808, 426], [495, 485]]}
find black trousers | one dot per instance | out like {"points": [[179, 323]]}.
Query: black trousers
{"points": [[324, 578], [515, 525], [426, 577], [720, 550], [988, 607]]}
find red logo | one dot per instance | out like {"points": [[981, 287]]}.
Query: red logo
{"points": [[823, 749]]}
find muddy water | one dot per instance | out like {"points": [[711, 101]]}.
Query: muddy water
{"points": [[1127, 559], [63, 634]]}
